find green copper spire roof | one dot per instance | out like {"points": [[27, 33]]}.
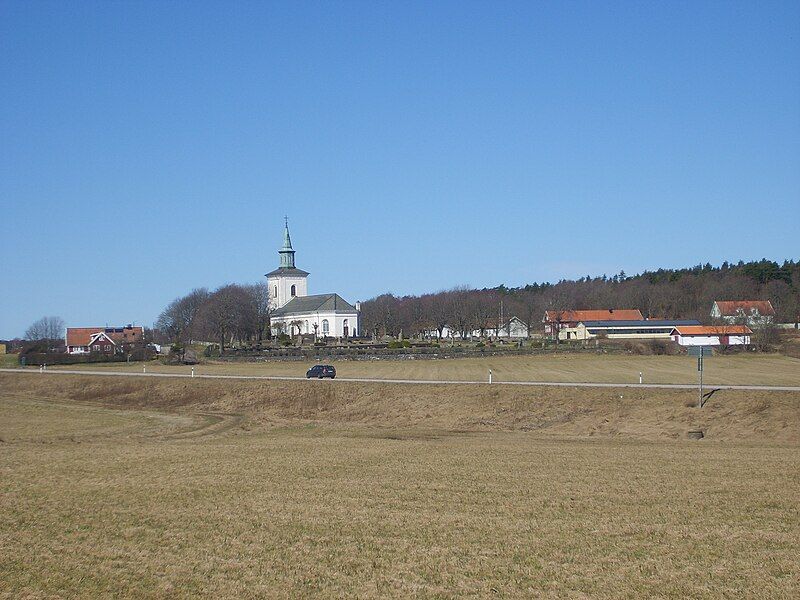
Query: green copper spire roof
{"points": [[287, 253]]}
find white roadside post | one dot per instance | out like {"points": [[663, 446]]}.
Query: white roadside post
{"points": [[192, 371], [144, 369], [640, 377], [490, 376]]}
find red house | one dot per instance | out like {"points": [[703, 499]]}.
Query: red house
{"points": [[103, 340]]}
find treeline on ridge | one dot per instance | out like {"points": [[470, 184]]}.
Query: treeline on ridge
{"points": [[237, 312], [666, 293]]}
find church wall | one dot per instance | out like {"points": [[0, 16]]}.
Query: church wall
{"points": [[336, 322]]}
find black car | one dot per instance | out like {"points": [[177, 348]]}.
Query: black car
{"points": [[320, 371]]}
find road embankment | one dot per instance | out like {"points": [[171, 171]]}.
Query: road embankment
{"points": [[640, 413]]}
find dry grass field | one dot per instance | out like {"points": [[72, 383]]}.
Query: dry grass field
{"points": [[183, 488], [741, 369]]}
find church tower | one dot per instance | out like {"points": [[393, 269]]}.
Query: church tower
{"points": [[287, 281]]}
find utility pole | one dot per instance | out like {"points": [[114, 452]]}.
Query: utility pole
{"points": [[700, 368], [500, 320], [700, 352]]}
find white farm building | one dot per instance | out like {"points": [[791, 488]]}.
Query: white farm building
{"points": [[700, 335]]}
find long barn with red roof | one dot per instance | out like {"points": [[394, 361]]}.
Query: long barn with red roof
{"points": [[556, 320]]}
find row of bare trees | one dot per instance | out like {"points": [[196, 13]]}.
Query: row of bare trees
{"points": [[231, 313], [461, 309], [686, 293]]}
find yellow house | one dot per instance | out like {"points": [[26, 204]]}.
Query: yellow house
{"points": [[2, 348]]}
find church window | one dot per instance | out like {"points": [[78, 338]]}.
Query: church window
{"points": [[275, 291], [325, 326], [294, 291]]}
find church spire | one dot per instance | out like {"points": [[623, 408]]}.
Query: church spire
{"points": [[287, 253]]}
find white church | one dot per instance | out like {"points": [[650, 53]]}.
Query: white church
{"points": [[295, 312]]}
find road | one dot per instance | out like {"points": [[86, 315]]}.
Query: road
{"points": [[675, 386]]}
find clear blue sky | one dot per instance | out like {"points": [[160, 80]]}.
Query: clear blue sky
{"points": [[149, 148]]}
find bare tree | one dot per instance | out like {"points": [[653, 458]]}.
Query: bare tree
{"points": [[263, 308], [381, 314], [484, 309], [765, 337], [460, 316], [530, 307], [559, 303], [227, 314], [46, 328], [179, 319], [438, 310]]}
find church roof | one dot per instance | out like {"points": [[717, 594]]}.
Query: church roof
{"points": [[317, 303], [287, 272]]}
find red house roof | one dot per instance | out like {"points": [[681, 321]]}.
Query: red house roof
{"points": [[81, 336], [624, 314], [730, 308], [713, 330]]}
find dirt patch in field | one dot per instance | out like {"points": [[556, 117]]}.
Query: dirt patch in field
{"points": [[602, 412]]}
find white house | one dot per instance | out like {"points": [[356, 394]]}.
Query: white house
{"points": [[750, 312], [514, 328], [294, 312]]}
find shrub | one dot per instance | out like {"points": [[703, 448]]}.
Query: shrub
{"points": [[660, 347]]}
